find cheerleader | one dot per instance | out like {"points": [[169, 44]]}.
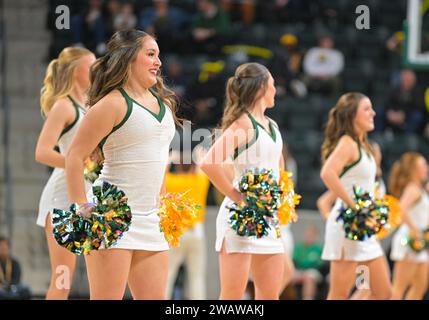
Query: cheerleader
{"points": [[327, 200], [131, 118], [410, 274], [348, 162], [249, 140], [62, 102]]}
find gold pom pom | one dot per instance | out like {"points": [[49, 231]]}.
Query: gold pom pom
{"points": [[177, 214], [289, 199]]}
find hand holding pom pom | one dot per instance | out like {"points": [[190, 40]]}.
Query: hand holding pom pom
{"points": [[84, 228], [367, 219], [262, 200]]}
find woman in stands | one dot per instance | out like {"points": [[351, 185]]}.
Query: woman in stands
{"points": [[62, 101], [132, 119], [349, 161], [407, 179], [248, 140]]}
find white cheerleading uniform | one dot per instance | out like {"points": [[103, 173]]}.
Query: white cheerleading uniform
{"points": [[287, 239], [54, 195], [419, 213], [263, 151], [337, 247], [135, 160]]}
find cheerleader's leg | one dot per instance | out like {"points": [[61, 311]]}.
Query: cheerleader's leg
{"points": [[267, 269], [148, 275], [419, 283]]}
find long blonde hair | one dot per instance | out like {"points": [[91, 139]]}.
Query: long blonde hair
{"points": [[112, 70], [401, 172], [243, 90], [340, 122], [58, 80]]}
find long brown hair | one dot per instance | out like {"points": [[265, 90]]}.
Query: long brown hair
{"points": [[340, 122], [58, 81], [242, 91], [112, 70], [401, 172]]}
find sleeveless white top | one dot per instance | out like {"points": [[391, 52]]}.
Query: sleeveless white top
{"points": [[419, 213], [262, 151], [136, 154], [361, 173], [55, 194], [135, 160]]}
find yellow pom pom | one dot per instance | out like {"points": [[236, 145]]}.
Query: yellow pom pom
{"points": [[289, 200], [177, 214], [395, 217]]}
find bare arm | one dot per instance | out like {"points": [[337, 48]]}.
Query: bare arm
{"points": [[344, 154], [282, 163], [98, 123], [325, 203], [222, 149], [410, 195], [61, 115]]}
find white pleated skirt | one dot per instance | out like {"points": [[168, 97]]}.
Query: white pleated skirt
{"points": [[270, 244]]}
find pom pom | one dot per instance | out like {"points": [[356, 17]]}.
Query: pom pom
{"points": [[110, 217], [92, 170], [367, 219], [289, 199], [71, 231], [247, 222], [262, 200], [418, 244], [177, 214], [395, 217]]}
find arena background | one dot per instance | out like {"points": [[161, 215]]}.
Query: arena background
{"points": [[373, 60]]}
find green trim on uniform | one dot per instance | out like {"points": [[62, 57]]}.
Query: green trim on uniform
{"points": [[76, 108], [158, 116], [270, 124], [347, 168], [247, 145], [127, 115]]}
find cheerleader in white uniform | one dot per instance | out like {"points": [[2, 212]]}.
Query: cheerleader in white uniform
{"points": [[410, 274], [62, 99], [131, 117], [349, 162], [249, 140]]}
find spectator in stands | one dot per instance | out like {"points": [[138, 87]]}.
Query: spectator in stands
{"points": [[245, 8], [125, 19], [308, 263], [404, 108], [88, 28], [166, 22], [287, 67], [10, 275], [206, 95], [111, 10], [175, 77], [323, 66], [289, 10], [210, 27]]}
